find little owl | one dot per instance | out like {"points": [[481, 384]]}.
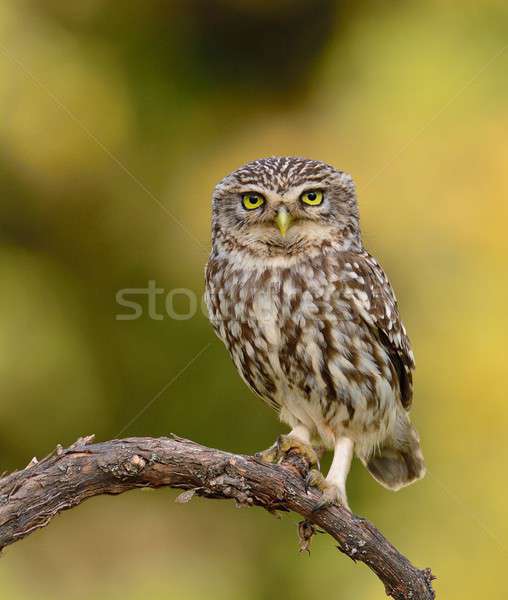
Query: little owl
{"points": [[311, 321]]}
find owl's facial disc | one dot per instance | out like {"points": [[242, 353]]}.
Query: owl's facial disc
{"points": [[285, 206]]}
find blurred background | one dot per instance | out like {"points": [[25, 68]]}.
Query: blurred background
{"points": [[116, 122]]}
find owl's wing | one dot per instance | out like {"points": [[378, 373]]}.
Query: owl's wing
{"points": [[377, 305]]}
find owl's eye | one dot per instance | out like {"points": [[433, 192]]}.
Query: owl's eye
{"points": [[312, 197], [252, 201]]}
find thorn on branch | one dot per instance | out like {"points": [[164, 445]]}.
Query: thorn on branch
{"points": [[32, 463], [85, 440]]}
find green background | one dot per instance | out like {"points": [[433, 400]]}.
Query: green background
{"points": [[116, 120]]}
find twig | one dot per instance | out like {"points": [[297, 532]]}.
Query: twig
{"points": [[30, 498]]}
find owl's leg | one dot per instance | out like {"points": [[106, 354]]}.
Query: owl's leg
{"points": [[334, 486], [297, 441]]}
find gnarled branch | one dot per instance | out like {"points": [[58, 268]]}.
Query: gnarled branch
{"points": [[30, 498]]}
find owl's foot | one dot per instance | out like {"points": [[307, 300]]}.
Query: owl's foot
{"points": [[331, 493], [287, 445]]}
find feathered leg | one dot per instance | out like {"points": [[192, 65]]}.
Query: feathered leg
{"points": [[334, 486]]}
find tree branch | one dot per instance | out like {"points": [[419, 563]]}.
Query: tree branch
{"points": [[30, 498]]}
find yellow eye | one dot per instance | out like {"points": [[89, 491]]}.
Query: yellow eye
{"points": [[252, 201], [312, 197]]}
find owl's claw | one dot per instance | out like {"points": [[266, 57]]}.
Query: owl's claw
{"points": [[285, 446], [269, 455], [314, 479], [331, 494]]}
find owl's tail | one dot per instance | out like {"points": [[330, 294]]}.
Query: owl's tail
{"points": [[398, 461]]}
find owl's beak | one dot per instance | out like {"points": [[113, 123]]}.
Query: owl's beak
{"points": [[283, 220]]}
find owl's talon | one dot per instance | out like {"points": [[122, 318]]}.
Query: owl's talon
{"points": [[286, 445], [331, 494], [289, 444], [314, 479], [323, 502], [270, 455]]}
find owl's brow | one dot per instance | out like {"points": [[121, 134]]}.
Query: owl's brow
{"points": [[302, 182], [306, 186], [245, 189]]}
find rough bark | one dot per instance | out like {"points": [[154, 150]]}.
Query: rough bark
{"points": [[30, 498]]}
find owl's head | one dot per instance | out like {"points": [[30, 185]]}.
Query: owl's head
{"points": [[285, 206]]}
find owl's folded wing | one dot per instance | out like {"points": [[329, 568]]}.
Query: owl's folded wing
{"points": [[377, 306]]}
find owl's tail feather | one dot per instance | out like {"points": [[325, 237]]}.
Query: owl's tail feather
{"points": [[399, 460]]}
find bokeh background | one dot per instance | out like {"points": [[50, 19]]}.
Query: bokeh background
{"points": [[116, 121]]}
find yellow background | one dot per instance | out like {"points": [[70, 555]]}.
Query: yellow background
{"points": [[116, 120]]}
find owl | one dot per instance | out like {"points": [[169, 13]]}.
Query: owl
{"points": [[311, 321]]}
